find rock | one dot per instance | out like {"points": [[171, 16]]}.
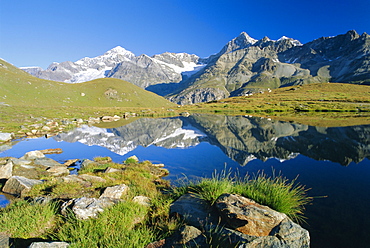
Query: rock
{"points": [[49, 245], [17, 185], [52, 151], [70, 162], [292, 234], [107, 118], [116, 118], [5, 147], [157, 244], [142, 200], [87, 162], [134, 158], [186, 236], [158, 165], [6, 171], [33, 155], [92, 178], [6, 136], [195, 211], [115, 192], [4, 240], [58, 170], [47, 162], [111, 170], [85, 208], [20, 162], [247, 216], [46, 128]]}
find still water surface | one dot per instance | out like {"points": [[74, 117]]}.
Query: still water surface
{"points": [[332, 162]]}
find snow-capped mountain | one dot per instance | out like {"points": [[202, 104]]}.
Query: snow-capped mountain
{"points": [[243, 66], [120, 63]]}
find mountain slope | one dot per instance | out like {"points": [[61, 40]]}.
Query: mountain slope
{"points": [[18, 88], [245, 66]]}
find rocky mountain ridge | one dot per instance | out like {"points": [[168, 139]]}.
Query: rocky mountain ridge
{"points": [[243, 66]]}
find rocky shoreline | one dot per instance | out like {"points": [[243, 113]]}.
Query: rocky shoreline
{"points": [[233, 221]]}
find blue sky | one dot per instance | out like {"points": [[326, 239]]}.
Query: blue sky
{"points": [[39, 32]]}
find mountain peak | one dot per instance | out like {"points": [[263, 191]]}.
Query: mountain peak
{"points": [[246, 37], [118, 50]]}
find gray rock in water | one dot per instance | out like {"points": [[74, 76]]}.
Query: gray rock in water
{"points": [[85, 208], [6, 136], [17, 185], [49, 245], [195, 211], [115, 192], [6, 171]]}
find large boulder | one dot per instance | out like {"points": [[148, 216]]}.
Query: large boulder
{"points": [[259, 225], [195, 211], [247, 216], [6, 170], [85, 208], [17, 185]]}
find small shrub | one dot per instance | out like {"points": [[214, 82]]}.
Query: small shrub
{"points": [[277, 193]]}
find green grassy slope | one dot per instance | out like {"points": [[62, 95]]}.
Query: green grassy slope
{"points": [[18, 88]]}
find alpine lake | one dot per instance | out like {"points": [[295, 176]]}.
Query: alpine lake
{"points": [[332, 162]]}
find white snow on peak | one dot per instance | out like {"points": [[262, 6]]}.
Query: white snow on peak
{"points": [[248, 38], [294, 42], [187, 66], [188, 132], [88, 75], [120, 50]]}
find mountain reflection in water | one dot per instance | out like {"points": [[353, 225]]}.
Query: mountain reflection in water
{"points": [[332, 162], [241, 138]]}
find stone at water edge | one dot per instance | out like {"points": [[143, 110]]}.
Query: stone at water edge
{"points": [[247, 216], [6, 137], [17, 185], [47, 162], [33, 155], [52, 151], [133, 157]]}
